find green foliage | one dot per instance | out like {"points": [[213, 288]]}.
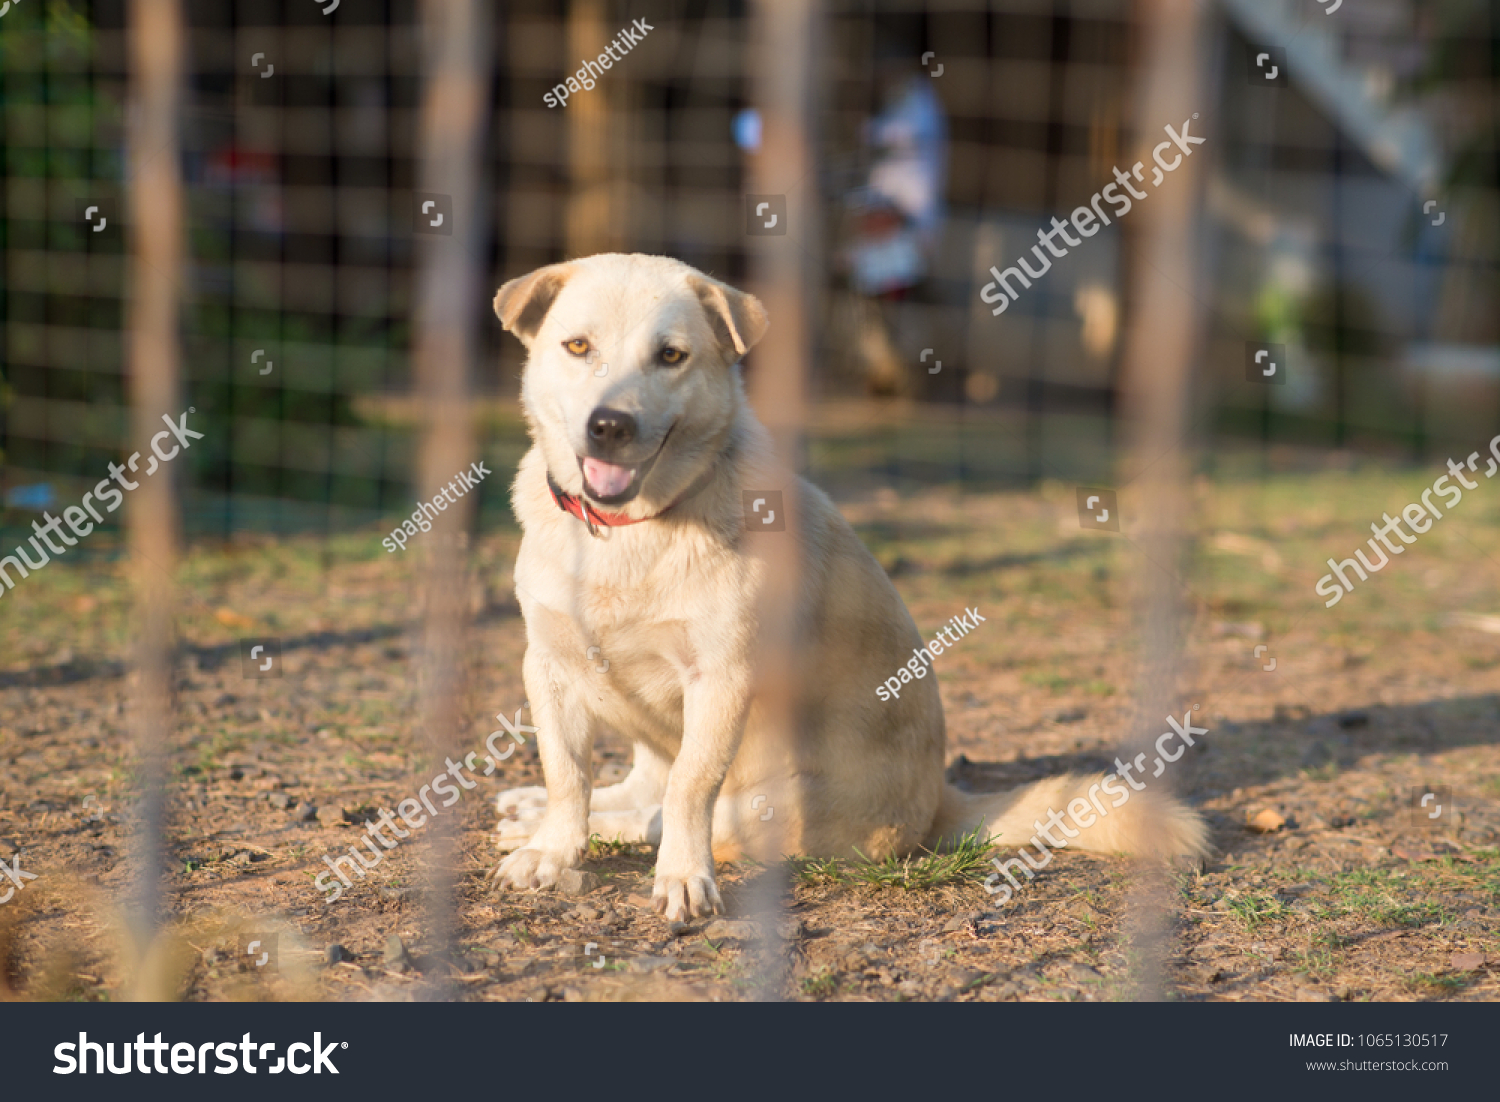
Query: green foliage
{"points": [[965, 862]]}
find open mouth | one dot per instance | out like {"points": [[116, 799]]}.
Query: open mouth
{"points": [[614, 483]]}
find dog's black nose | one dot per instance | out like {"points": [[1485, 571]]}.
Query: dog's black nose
{"points": [[611, 429]]}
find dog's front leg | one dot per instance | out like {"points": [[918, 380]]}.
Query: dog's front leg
{"points": [[565, 737], [713, 723]]}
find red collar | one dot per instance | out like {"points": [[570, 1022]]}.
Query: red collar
{"points": [[574, 504], [585, 512], [571, 503], [594, 519]]}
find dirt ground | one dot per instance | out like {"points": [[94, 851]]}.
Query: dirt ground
{"points": [[1347, 892]]}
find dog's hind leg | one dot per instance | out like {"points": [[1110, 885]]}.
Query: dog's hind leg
{"points": [[623, 812], [518, 823], [633, 825], [637, 825], [520, 799], [643, 788]]}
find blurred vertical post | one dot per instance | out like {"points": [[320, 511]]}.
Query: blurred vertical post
{"points": [[156, 62], [784, 35], [1161, 343], [595, 221], [456, 47]]}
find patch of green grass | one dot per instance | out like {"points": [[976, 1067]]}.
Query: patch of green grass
{"points": [[1092, 898], [820, 984], [1443, 985], [1321, 957], [1321, 965], [1387, 898], [819, 870], [1409, 914], [979, 981], [1331, 939], [1295, 874], [1050, 681], [1256, 908], [1481, 874], [222, 743], [599, 847], [965, 862]]}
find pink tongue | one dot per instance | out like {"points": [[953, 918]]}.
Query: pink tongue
{"points": [[607, 479]]}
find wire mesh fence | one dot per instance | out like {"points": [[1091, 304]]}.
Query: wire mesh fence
{"points": [[288, 256], [299, 161]]}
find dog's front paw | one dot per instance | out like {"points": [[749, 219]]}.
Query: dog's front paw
{"points": [[683, 897], [533, 868]]}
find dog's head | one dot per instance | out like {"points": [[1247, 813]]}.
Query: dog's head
{"points": [[632, 378]]}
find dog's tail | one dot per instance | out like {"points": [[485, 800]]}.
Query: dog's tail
{"points": [[1083, 812]]}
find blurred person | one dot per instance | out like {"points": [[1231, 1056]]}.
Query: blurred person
{"points": [[894, 220]]}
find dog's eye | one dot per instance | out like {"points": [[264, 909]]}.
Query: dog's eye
{"points": [[577, 346], [672, 356]]}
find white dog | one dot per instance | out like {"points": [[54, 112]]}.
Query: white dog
{"points": [[636, 558]]}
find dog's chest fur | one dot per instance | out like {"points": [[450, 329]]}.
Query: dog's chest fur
{"points": [[628, 595]]}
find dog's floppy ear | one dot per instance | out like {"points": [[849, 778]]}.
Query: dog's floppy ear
{"points": [[522, 304], [738, 319]]}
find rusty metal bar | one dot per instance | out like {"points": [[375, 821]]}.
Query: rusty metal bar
{"points": [[1162, 342], [455, 110], [156, 37], [597, 129], [783, 43]]}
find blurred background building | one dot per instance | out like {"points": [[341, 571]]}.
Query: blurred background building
{"points": [[1349, 216]]}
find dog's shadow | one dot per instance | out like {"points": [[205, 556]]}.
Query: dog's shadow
{"points": [[1324, 748], [209, 658], [968, 775]]}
